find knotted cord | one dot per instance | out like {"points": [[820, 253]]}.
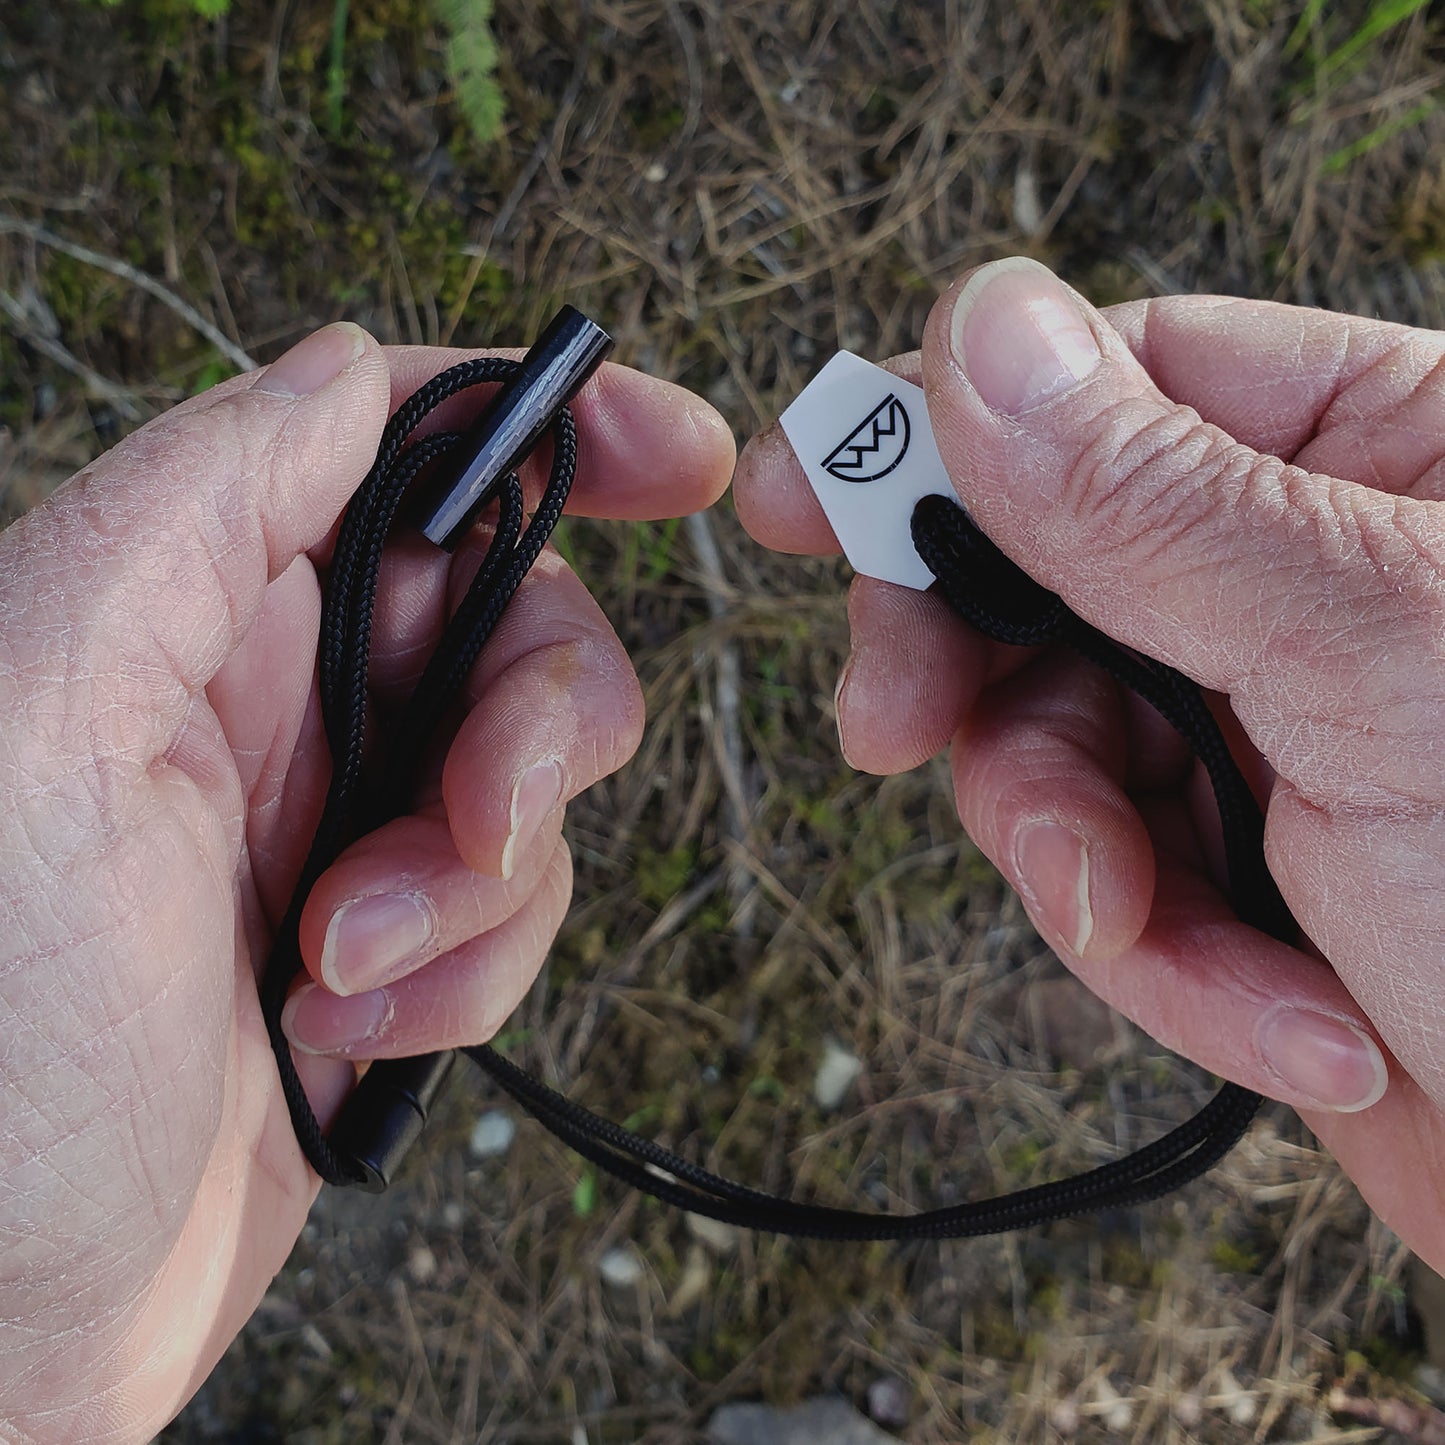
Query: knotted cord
{"points": [[979, 583]]}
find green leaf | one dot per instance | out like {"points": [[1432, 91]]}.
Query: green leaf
{"points": [[1383, 15], [336, 67], [1346, 156], [215, 370], [1303, 26], [471, 57], [584, 1196]]}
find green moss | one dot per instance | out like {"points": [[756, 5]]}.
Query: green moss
{"points": [[880, 110], [654, 120], [1419, 220], [661, 877], [1049, 1300], [1235, 1258], [1391, 1356], [1125, 1263], [996, 1334], [1021, 1159]]}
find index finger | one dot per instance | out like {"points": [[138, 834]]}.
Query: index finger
{"points": [[647, 449]]}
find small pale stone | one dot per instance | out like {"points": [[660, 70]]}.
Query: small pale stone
{"points": [[828, 1421], [421, 1264], [835, 1075], [655, 173], [1028, 213], [1189, 1410], [1238, 1403], [1115, 1411], [888, 1401], [315, 1341], [719, 1237], [620, 1267], [1064, 1416], [492, 1134]]}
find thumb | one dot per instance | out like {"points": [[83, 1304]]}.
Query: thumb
{"points": [[1294, 592], [156, 557]]}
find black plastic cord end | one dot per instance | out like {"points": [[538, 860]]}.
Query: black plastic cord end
{"points": [[552, 373], [385, 1113]]}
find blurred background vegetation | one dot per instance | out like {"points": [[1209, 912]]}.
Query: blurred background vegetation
{"points": [[736, 188]]}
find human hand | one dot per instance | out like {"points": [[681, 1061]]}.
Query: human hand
{"points": [[1130, 461], [162, 767]]}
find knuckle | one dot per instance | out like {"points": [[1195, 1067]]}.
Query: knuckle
{"points": [[1150, 478], [588, 681]]}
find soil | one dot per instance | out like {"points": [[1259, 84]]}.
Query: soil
{"points": [[737, 190]]}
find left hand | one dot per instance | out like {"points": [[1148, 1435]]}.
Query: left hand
{"points": [[161, 770]]}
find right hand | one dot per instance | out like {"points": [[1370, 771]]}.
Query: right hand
{"points": [[1309, 593]]}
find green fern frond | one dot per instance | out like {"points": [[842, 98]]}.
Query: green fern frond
{"points": [[472, 63]]}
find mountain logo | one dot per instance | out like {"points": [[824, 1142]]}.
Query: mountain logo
{"points": [[874, 447]]}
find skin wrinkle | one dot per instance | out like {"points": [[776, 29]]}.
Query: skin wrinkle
{"points": [[1338, 384], [1353, 422], [1337, 528], [211, 551], [1409, 519], [1158, 352], [546, 708], [1170, 443], [117, 1026], [1115, 468], [90, 1395], [1400, 357], [1430, 484]]}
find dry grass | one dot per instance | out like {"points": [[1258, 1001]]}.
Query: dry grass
{"points": [[736, 189]]}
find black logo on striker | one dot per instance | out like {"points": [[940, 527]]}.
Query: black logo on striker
{"points": [[874, 447]]}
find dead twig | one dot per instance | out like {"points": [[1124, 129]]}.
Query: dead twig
{"points": [[727, 738], [238, 358], [121, 398]]}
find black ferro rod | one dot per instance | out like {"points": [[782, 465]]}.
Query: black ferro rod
{"points": [[553, 371]]}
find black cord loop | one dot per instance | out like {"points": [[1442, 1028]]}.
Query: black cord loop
{"points": [[979, 582]]}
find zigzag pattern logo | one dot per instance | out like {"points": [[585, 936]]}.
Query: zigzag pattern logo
{"points": [[874, 447]]}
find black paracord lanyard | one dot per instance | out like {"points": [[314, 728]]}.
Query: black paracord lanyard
{"points": [[387, 1110]]}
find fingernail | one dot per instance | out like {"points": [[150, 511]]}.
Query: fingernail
{"points": [[369, 941], [311, 363], [1329, 1061], [317, 1022], [1053, 871], [534, 795], [838, 707], [1020, 337]]}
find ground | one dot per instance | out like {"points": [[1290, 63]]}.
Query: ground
{"points": [[736, 188]]}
